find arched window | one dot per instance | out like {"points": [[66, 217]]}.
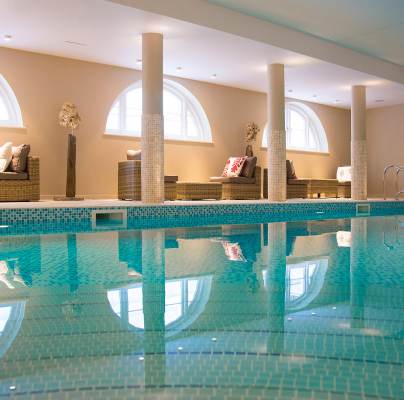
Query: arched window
{"points": [[184, 117], [10, 112], [185, 299], [304, 130]]}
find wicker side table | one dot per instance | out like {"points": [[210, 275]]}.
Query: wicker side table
{"points": [[199, 191], [344, 189], [129, 182]]}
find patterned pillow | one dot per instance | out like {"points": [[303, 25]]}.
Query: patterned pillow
{"points": [[20, 157], [249, 167], [290, 170], [6, 154], [233, 166]]}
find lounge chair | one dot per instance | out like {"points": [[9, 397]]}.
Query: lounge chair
{"points": [[129, 182], [247, 186], [305, 188]]}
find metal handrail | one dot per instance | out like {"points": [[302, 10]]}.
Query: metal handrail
{"points": [[384, 178], [398, 191]]}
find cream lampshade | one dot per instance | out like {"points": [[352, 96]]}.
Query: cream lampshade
{"points": [[344, 174]]}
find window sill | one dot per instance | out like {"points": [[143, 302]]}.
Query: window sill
{"points": [[13, 129], [315, 153], [169, 141]]}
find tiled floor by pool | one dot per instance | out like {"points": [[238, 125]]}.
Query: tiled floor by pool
{"points": [[285, 310]]}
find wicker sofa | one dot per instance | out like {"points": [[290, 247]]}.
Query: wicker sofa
{"points": [[239, 187], [23, 186]]}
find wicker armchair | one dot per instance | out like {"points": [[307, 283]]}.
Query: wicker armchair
{"points": [[240, 188], [129, 182], [24, 188]]}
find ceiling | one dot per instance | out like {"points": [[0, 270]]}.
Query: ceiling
{"points": [[105, 32], [373, 27]]}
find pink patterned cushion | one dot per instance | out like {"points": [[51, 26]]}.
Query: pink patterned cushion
{"points": [[233, 251], [233, 166]]}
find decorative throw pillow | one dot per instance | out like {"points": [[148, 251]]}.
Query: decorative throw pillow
{"points": [[249, 167], [290, 170], [6, 154], [20, 158], [233, 166], [134, 155]]}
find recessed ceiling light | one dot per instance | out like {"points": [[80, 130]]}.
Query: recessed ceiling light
{"points": [[214, 76], [75, 43], [7, 38], [138, 61], [379, 101]]}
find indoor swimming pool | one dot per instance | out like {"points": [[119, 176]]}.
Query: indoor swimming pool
{"points": [[284, 310]]}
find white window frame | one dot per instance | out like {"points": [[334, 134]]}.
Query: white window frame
{"points": [[312, 123], [189, 104], [11, 103]]}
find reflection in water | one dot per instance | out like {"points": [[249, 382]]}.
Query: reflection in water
{"points": [[153, 269], [303, 282], [275, 283], [358, 271], [185, 299], [11, 316], [116, 308]]}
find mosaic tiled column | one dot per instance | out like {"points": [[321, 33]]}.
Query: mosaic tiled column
{"points": [[153, 279], [152, 140], [277, 135], [358, 273], [358, 144], [275, 283]]}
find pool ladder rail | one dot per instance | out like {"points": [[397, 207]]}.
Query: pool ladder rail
{"points": [[398, 169]]}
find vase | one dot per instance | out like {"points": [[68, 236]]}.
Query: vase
{"points": [[249, 151], [70, 171]]}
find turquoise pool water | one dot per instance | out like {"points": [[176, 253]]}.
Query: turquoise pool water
{"points": [[285, 310]]}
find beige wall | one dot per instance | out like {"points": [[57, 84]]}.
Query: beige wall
{"points": [[385, 130], [43, 83]]}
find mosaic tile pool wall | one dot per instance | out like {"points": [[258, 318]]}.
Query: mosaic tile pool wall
{"points": [[80, 218]]}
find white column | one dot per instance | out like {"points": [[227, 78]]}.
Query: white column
{"points": [[277, 135], [152, 141], [358, 144]]}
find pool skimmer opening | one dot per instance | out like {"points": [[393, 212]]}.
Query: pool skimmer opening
{"points": [[362, 209], [105, 219]]}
